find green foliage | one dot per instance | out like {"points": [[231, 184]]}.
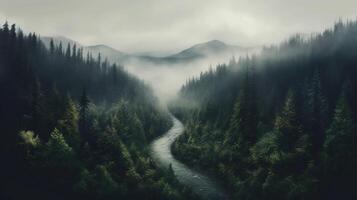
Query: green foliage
{"points": [[57, 152], [84, 183], [69, 123], [265, 151], [29, 138], [106, 187], [287, 126], [341, 137], [340, 152], [267, 133]]}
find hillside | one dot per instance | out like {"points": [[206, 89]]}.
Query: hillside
{"points": [[280, 125], [75, 127]]}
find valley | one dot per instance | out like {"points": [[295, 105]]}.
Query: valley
{"points": [[178, 100]]}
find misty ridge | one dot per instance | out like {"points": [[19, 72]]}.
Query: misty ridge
{"points": [[166, 74], [211, 121]]}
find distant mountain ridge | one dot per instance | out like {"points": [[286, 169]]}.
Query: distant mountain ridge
{"points": [[60, 39], [201, 50], [210, 47], [110, 53]]}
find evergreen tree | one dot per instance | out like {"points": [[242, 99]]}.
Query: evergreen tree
{"points": [[317, 112], [58, 160], [99, 60], [37, 106], [60, 49], [69, 124], [114, 74], [52, 46], [5, 29], [55, 106], [340, 149], [83, 114], [287, 125], [243, 127], [13, 36], [74, 51], [68, 51]]}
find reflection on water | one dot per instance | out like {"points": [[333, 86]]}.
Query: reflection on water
{"points": [[198, 182]]}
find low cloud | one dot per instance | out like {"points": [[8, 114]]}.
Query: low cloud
{"points": [[161, 25]]}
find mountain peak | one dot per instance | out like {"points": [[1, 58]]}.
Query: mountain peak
{"points": [[211, 44], [101, 46], [106, 50], [207, 48], [215, 42]]}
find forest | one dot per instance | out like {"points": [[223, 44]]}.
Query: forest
{"points": [[76, 127], [278, 125], [281, 124]]}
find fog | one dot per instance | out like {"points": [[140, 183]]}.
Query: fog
{"points": [[167, 79], [161, 27], [166, 26]]}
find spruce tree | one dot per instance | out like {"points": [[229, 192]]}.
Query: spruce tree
{"points": [[244, 118], [74, 51], [317, 112], [287, 125], [68, 51], [69, 124], [83, 114], [340, 153], [52, 46]]}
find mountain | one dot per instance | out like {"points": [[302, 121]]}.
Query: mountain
{"points": [[199, 51], [110, 53], [59, 39], [209, 48], [214, 48]]}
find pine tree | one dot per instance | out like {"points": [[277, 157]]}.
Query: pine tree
{"points": [[52, 46], [60, 49], [114, 74], [83, 120], [68, 51], [340, 150], [13, 35], [69, 124], [5, 29], [99, 60], [37, 105], [243, 125], [58, 158], [288, 127], [55, 106], [74, 51], [317, 112]]}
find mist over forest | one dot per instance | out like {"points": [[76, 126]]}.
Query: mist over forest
{"points": [[231, 100]]}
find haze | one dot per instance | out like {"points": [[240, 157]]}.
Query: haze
{"points": [[168, 26]]}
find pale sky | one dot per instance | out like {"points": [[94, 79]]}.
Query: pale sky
{"points": [[171, 25]]}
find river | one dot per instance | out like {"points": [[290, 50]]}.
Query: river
{"points": [[201, 184]]}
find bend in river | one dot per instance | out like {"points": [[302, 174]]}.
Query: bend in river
{"points": [[199, 183]]}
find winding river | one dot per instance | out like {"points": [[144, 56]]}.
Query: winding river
{"points": [[199, 183]]}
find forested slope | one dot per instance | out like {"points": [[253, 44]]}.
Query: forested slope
{"points": [[74, 127], [279, 125]]}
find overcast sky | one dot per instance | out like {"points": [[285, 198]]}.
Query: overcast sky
{"points": [[171, 25]]}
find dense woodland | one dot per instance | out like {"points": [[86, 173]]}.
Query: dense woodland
{"points": [[279, 125], [75, 127]]}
